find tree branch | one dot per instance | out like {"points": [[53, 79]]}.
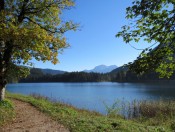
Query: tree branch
{"points": [[37, 10], [41, 25], [2, 4], [60, 30], [22, 12]]}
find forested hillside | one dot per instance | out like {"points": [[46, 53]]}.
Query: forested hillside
{"points": [[121, 74]]}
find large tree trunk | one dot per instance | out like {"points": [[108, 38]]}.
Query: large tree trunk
{"points": [[2, 92], [3, 83], [4, 64]]}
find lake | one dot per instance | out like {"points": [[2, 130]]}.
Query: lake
{"points": [[92, 96]]}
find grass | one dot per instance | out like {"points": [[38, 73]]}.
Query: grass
{"points": [[148, 112], [161, 112], [6, 112], [143, 108], [151, 109], [78, 120]]}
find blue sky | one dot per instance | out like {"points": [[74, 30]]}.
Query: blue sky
{"points": [[95, 43]]}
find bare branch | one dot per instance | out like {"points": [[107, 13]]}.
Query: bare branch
{"points": [[142, 49]]}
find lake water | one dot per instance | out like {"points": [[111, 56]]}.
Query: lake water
{"points": [[92, 96]]}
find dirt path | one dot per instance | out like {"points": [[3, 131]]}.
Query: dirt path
{"points": [[29, 119]]}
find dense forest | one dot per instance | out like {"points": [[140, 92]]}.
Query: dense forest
{"points": [[121, 74], [37, 75]]}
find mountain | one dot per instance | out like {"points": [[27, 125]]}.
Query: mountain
{"points": [[119, 69], [102, 69], [52, 72]]}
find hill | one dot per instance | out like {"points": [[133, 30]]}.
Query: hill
{"points": [[119, 69], [52, 72]]}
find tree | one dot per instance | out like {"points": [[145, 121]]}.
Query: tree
{"points": [[153, 21], [30, 29]]}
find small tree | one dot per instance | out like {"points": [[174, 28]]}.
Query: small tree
{"points": [[153, 21], [30, 29]]}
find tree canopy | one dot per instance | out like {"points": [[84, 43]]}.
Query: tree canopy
{"points": [[32, 29], [154, 22]]}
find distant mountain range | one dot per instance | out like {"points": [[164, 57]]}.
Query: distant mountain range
{"points": [[102, 69], [97, 69]]}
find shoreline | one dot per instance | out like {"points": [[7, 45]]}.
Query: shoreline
{"points": [[78, 120]]}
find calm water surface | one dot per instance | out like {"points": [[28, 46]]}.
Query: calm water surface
{"points": [[93, 95]]}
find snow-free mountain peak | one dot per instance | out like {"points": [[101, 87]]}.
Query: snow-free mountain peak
{"points": [[102, 69]]}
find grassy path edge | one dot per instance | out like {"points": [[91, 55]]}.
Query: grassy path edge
{"points": [[77, 120]]}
